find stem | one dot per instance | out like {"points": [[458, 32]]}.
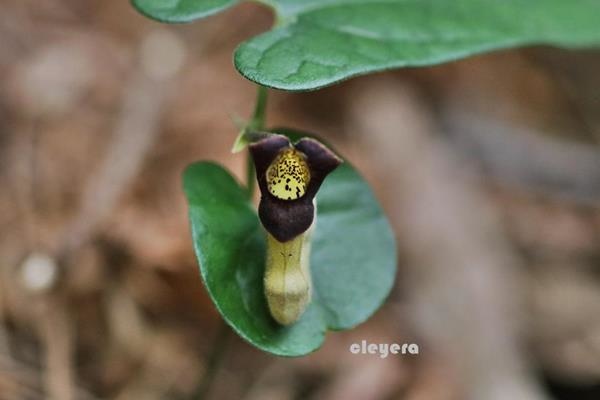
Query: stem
{"points": [[258, 117], [213, 363], [257, 123]]}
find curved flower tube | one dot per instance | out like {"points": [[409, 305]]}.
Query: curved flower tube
{"points": [[289, 176]]}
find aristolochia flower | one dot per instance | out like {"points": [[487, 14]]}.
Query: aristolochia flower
{"points": [[289, 176]]}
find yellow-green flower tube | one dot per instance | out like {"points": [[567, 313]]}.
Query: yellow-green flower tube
{"points": [[288, 285]]}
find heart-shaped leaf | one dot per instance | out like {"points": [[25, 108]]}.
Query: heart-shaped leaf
{"points": [[353, 258], [319, 42]]}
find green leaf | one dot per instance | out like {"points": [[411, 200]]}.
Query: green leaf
{"points": [[353, 259], [319, 42], [175, 11]]}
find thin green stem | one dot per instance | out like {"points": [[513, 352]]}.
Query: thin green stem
{"points": [[257, 123]]}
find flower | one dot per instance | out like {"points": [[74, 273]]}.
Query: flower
{"points": [[289, 176]]}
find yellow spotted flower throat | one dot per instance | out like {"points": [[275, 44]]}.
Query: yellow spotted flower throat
{"points": [[288, 175]]}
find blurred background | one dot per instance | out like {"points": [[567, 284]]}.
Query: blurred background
{"points": [[488, 168]]}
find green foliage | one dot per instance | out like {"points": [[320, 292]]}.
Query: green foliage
{"points": [[319, 42], [353, 259]]}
